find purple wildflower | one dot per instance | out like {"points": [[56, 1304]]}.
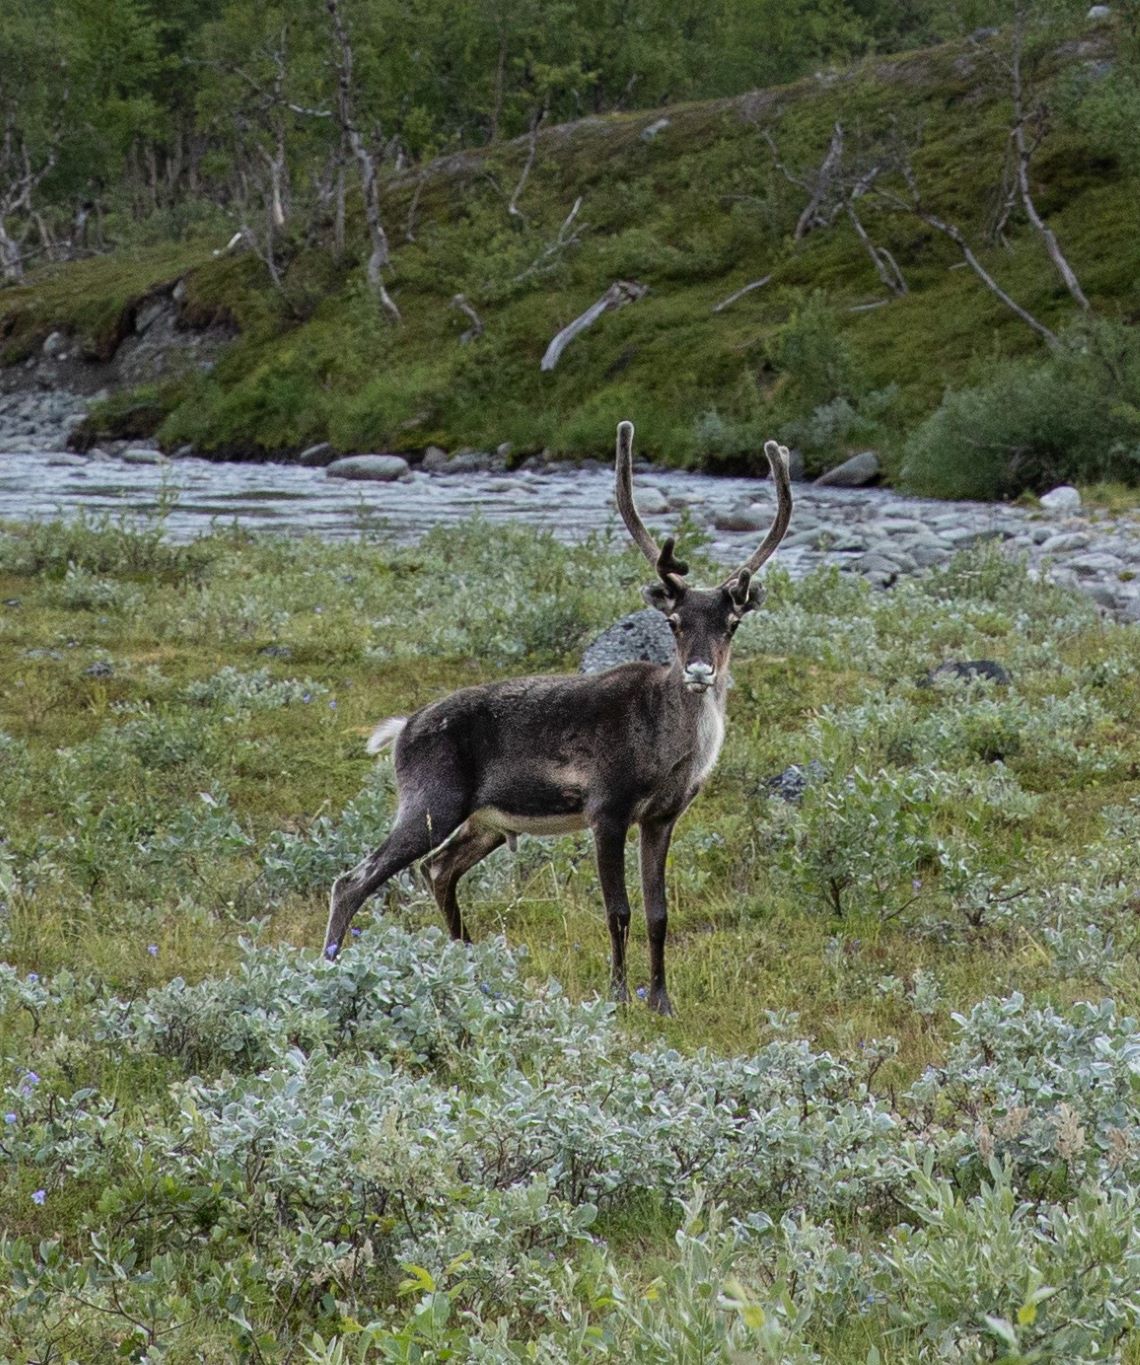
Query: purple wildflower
{"points": [[11, 1118], [152, 949], [39, 1196]]}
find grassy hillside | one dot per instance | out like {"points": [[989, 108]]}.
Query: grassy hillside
{"points": [[880, 1085], [694, 213]]}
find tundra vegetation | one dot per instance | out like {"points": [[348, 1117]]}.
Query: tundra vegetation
{"points": [[920, 236], [895, 1119]]}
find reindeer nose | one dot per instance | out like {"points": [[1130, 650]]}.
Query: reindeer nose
{"points": [[699, 676]]}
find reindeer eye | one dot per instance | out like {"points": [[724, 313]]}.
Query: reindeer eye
{"points": [[732, 625], [674, 622]]}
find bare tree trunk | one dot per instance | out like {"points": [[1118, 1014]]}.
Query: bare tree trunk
{"points": [[819, 186], [413, 208], [513, 211], [365, 164], [11, 255], [1023, 153]]}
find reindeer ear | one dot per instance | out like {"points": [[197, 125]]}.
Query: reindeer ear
{"points": [[746, 594], [661, 596]]}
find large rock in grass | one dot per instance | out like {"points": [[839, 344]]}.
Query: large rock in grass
{"points": [[1064, 498], [369, 468], [642, 635], [859, 470]]}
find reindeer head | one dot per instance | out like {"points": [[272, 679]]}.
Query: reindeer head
{"points": [[703, 621]]}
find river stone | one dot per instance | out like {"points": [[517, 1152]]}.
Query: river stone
{"points": [[1097, 562], [1065, 543], [376, 468], [1064, 498], [316, 456], [853, 473], [642, 635], [744, 517], [142, 455], [434, 459], [651, 502]]}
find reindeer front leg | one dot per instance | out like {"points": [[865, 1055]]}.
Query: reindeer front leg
{"points": [[609, 845], [655, 836]]}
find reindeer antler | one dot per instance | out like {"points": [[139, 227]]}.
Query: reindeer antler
{"points": [[662, 558], [778, 461]]}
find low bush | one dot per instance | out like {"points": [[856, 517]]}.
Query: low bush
{"points": [[1073, 419]]}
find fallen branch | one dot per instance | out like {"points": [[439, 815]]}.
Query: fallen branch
{"points": [[818, 185], [740, 293], [617, 295], [955, 235], [565, 238], [460, 304]]}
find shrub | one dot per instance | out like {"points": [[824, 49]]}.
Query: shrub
{"points": [[1073, 418]]}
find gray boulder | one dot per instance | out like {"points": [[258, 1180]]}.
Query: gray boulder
{"points": [[374, 468], [651, 502], [315, 456], [859, 470], [791, 784], [434, 459], [970, 670], [744, 517], [651, 130], [1064, 498], [643, 635]]}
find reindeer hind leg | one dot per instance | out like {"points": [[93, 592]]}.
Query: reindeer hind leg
{"points": [[469, 846], [416, 832]]}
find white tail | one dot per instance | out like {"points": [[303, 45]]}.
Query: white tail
{"points": [[386, 733]]}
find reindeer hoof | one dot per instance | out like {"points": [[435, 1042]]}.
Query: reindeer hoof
{"points": [[619, 993], [659, 1002]]}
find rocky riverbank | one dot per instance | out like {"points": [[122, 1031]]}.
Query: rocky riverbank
{"points": [[877, 533]]}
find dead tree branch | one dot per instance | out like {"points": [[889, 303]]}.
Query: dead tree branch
{"points": [[915, 206], [563, 240], [740, 293], [365, 162], [460, 303], [1023, 152], [617, 295], [513, 212]]}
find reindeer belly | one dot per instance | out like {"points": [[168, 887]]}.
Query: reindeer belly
{"points": [[546, 798], [509, 822]]}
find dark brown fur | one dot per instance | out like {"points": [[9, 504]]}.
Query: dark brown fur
{"points": [[552, 754]]}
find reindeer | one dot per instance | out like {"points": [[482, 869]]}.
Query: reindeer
{"points": [[547, 755]]}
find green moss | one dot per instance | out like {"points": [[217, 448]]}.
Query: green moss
{"points": [[693, 214]]}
